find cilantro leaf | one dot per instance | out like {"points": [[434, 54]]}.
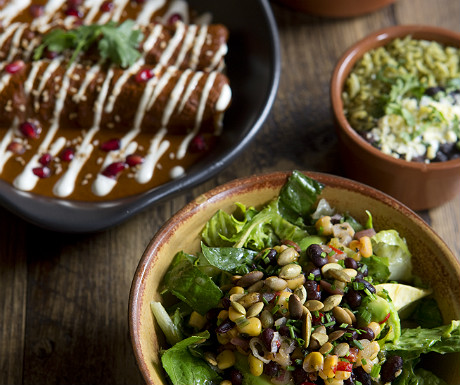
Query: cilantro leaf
{"points": [[117, 43]]}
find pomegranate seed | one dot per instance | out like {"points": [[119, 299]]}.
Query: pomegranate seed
{"points": [[198, 144], [106, 6], [15, 66], [111, 145], [45, 159], [30, 130], [72, 11], [134, 159], [16, 147], [67, 154], [113, 169], [174, 18], [144, 75], [42, 172], [51, 54], [36, 10]]}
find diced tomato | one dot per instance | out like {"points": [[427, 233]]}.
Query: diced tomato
{"points": [[352, 355], [344, 366], [385, 319]]}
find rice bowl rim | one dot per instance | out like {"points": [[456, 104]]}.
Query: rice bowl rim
{"points": [[345, 65]]}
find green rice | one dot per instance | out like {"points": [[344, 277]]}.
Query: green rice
{"points": [[383, 80]]}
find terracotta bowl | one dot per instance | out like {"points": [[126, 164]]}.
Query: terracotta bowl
{"points": [[418, 185], [432, 259], [336, 8]]}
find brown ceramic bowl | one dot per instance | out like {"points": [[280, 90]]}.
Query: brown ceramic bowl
{"points": [[432, 259], [418, 185], [336, 8]]}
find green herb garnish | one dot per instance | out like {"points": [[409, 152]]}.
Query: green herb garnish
{"points": [[117, 43]]}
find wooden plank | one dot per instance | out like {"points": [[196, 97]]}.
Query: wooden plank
{"points": [[13, 284]]}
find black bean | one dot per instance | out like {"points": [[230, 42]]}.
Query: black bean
{"points": [[271, 369], [349, 381], [225, 326], [271, 255], [267, 336], [317, 255], [236, 377], [284, 331], [299, 375], [361, 376], [447, 148], [311, 287], [336, 218], [226, 302], [390, 367], [315, 271], [330, 288], [353, 298], [350, 263], [431, 91], [363, 270], [367, 333], [367, 285], [350, 335], [440, 157]]}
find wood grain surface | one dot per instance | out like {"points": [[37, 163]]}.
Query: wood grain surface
{"points": [[64, 298]]}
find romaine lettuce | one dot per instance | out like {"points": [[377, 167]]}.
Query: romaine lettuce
{"points": [[183, 367], [389, 244]]}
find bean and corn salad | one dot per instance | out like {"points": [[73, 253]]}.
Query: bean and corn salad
{"points": [[300, 322], [275, 299]]}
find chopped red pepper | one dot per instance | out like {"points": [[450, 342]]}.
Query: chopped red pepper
{"points": [[385, 319], [344, 366], [336, 250]]}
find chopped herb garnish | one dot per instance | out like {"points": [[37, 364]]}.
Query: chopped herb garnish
{"points": [[375, 371], [117, 43], [359, 346]]}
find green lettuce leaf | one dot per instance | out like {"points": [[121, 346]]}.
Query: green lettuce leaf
{"points": [[427, 313], [389, 244], [413, 342], [183, 367], [416, 376], [222, 227], [228, 258], [378, 268], [188, 283], [298, 196]]}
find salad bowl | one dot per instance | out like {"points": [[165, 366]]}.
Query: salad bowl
{"points": [[432, 260]]}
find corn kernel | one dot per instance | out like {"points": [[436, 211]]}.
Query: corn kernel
{"points": [[225, 359], [236, 290], [330, 366], [252, 327], [256, 366], [313, 362], [223, 315], [342, 375], [226, 382], [197, 320], [366, 246], [324, 225]]}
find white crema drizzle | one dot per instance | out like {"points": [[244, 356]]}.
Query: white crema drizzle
{"points": [[12, 10]]}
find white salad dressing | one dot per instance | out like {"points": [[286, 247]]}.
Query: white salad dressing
{"points": [[5, 155]]}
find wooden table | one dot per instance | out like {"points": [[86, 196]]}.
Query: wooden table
{"points": [[64, 298]]}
